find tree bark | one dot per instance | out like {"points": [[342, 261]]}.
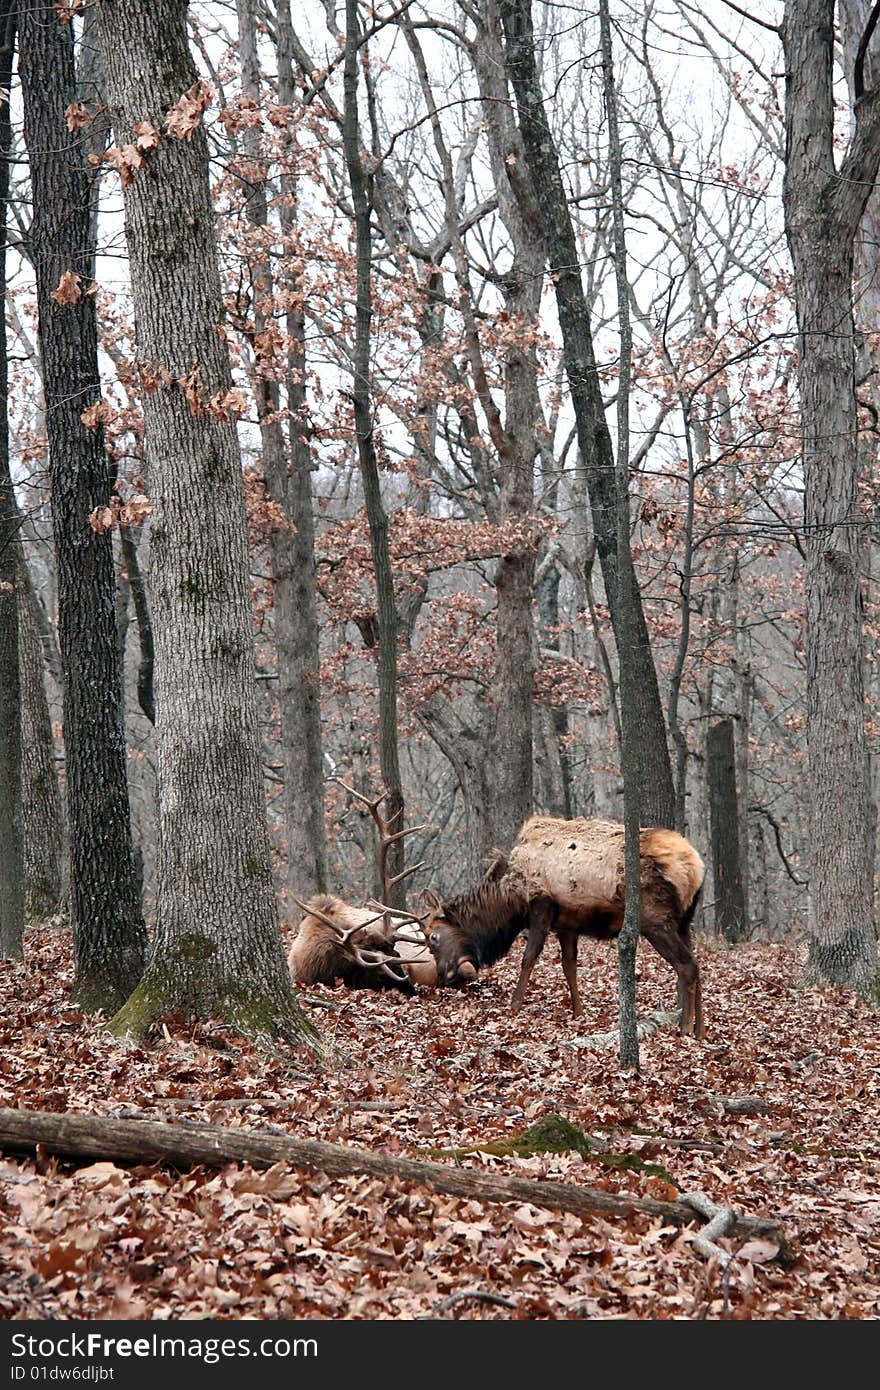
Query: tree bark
{"points": [[293, 565], [823, 206], [364, 429], [217, 949], [12, 882], [43, 815], [628, 939], [594, 441], [110, 939], [183, 1146], [731, 915]]}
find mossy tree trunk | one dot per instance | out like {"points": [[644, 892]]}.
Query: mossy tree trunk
{"points": [[217, 950], [110, 939]]}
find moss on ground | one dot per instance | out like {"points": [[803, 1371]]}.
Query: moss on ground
{"points": [[556, 1134]]}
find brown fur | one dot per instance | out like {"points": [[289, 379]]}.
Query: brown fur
{"points": [[567, 876], [317, 957]]}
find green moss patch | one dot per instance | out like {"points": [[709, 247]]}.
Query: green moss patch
{"points": [[557, 1135]]}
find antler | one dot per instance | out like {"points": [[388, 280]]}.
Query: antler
{"points": [[369, 957], [387, 837]]}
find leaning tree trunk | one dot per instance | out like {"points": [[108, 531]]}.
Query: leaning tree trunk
{"points": [[823, 208], [217, 949], [594, 441], [11, 833], [109, 936]]}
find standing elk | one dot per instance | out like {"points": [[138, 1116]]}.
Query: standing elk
{"points": [[369, 947], [567, 877]]}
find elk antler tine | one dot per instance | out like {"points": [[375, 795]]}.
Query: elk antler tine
{"points": [[400, 834], [398, 878]]}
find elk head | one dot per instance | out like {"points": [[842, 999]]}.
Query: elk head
{"points": [[444, 941]]}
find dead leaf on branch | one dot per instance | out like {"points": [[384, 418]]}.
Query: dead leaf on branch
{"points": [[183, 118], [68, 290], [80, 114], [66, 9], [148, 137], [118, 513]]}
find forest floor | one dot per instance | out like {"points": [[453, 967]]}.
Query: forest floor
{"points": [[447, 1071]]}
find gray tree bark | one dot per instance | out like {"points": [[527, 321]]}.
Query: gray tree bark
{"points": [[293, 565], [824, 204], [11, 819], [377, 518], [42, 808], [627, 941], [731, 915], [217, 950], [108, 930]]}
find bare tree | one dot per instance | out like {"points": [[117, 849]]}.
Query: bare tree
{"points": [[287, 470], [11, 819], [824, 202], [594, 440], [217, 948], [110, 939]]}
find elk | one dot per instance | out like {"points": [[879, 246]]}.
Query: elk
{"points": [[364, 947], [369, 947], [567, 877]]}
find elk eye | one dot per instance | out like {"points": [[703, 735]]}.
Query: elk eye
{"points": [[434, 939]]}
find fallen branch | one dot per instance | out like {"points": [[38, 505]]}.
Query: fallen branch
{"points": [[647, 1025], [720, 1219], [185, 1145]]}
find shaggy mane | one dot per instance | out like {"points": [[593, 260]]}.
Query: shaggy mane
{"points": [[493, 914]]}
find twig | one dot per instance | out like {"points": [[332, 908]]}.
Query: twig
{"points": [[475, 1294]]}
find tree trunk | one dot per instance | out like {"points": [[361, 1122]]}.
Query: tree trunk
{"points": [[731, 917], [594, 441], [11, 821], [43, 817], [217, 949], [296, 604], [110, 940], [628, 939], [364, 429], [823, 208]]}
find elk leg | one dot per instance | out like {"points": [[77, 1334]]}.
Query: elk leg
{"points": [[568, 949], [675, 948], [539, 928]]}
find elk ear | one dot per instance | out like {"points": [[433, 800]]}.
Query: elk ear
{"points": [[498, 867], [431, 900], [466, 969]]}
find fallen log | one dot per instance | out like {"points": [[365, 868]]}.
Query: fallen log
{"points": [[186, 1145]]}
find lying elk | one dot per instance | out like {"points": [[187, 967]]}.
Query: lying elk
{"points": [[364, 947], [567, 877], [372, 947]]}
